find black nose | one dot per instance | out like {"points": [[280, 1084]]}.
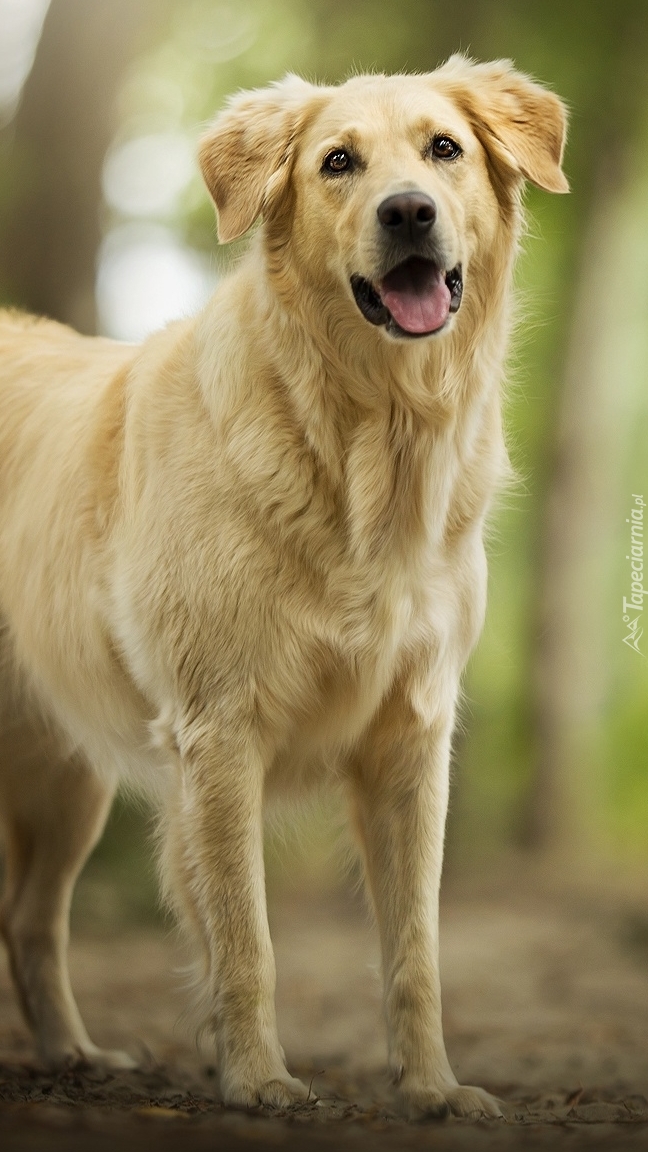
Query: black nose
{"points": [[408, 215]]}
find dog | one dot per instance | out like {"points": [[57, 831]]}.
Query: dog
{"points": [[246, 558]]}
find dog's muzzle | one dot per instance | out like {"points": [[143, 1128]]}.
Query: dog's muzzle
{"points": [[417, 295], [416, 298]]}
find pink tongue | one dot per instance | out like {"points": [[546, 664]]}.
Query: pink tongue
{"points": [[417, 296]]}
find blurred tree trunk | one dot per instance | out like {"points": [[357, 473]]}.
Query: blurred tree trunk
{"points": [[582, 507], [570, 674], [51, 228]]}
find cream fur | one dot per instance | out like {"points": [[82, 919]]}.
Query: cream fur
{"points": [[247, 556]]}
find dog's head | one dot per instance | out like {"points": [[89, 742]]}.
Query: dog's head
{"points": [[393, 188]]}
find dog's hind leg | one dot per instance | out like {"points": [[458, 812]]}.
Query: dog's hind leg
{"points": [[52, 812]]}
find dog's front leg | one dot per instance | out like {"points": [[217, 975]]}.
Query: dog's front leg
{"points": [[400, 791], [214, 870]]}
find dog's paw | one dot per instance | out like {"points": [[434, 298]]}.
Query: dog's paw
{"points": [[421, 1103], [281, 1092], [464, 1100], [89, 1056]]}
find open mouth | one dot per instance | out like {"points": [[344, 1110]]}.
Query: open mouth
{"points": [[415, 299]]}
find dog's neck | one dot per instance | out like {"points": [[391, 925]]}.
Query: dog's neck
{"points": [[424, 416], [340, 372]]}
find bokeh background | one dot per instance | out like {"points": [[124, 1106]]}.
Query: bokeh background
{"points": [[105, 224]]}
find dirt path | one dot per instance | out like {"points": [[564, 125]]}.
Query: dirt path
{"points": [[546, 1004]]}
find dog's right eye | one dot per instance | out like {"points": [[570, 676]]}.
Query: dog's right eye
{"points": [[337, 161]]}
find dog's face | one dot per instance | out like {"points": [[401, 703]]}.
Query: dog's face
{"points": [[391, 188], [394, 186]]}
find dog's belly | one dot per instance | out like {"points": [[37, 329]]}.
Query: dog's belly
{"points": [[110, 727]]}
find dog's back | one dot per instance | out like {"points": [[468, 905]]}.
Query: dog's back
{"points": [[50, 379], [61, 415]]}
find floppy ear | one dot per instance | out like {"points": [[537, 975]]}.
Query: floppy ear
{"points": [[521, 124], [246, 155]]}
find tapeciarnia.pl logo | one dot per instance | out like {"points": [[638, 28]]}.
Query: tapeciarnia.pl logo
{"points": [[633, 605]]}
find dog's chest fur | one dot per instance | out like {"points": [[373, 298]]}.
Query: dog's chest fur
{"points": [[382, 587]]}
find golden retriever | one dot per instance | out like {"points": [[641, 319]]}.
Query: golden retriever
{"points": [[247, 556]]}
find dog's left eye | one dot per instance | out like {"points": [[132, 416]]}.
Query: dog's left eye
{"points": [[337, 161], [444, 148]]}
